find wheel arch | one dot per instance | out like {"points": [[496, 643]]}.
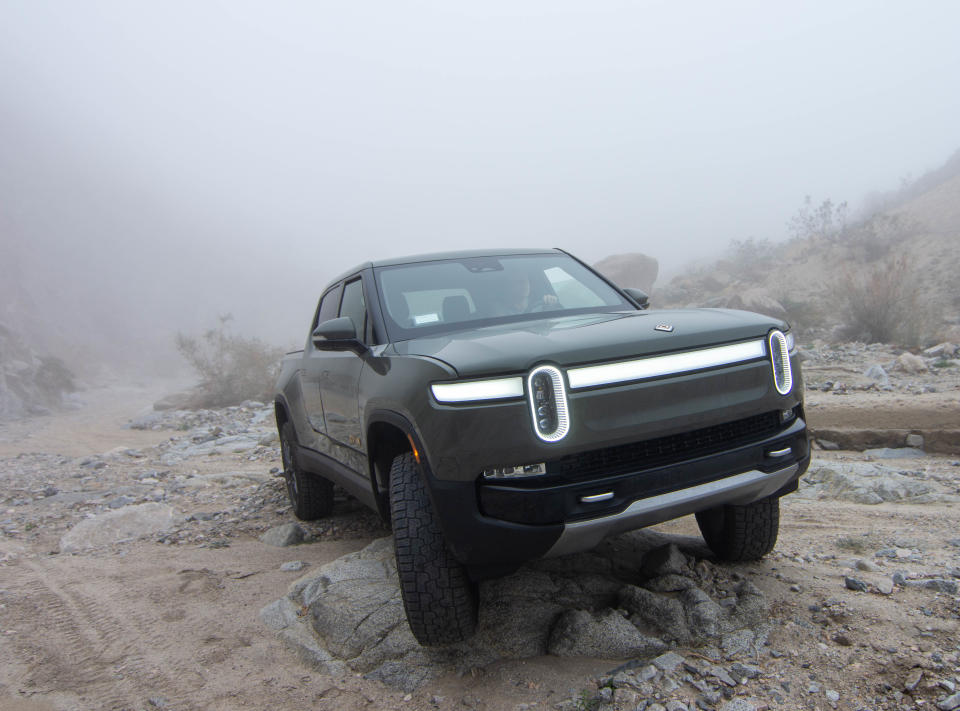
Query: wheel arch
{"points": [[389, 434]]}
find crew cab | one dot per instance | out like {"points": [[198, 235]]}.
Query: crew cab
{"points": [[501, 406]]}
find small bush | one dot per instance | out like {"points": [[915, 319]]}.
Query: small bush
{"points": [[859, 544], [231, 368], [882, 304]]}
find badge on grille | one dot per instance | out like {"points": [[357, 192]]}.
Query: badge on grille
{"points": [[663, 327]]}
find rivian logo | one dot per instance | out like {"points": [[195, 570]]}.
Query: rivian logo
{"points": [[666, 327]]}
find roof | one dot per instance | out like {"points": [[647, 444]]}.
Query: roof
{"points": [[436, 256]]}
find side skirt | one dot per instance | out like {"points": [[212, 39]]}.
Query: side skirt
{"points": [[356, 485]]}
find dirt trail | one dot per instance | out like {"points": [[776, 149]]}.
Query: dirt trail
{"points": [[171, 621], [96, 427]]}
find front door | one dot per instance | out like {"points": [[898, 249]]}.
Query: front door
{"points": [[315, 363], [339, 384]]}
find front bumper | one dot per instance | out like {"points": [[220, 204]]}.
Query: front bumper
{"points": [[738, 489], [495, 545]]}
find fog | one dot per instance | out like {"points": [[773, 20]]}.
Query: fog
{"points": [[163, 163]]}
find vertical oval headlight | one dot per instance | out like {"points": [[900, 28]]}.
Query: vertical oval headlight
{"points": [[780, 361], [548, 403]]}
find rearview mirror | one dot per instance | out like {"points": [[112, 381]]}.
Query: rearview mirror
{"points": [[639, 296], [336, 333]]}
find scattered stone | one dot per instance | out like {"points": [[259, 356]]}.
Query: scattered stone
{"points": [[867, 566], [895, 453], [741, 671], [885, 586], [292, 566], [877, 374], [832, 696], [828, 445], [913, 679], [951, 703], [668, 662], [855, 584], [127, 524], [50, 491], [738, 705], [914, 440], [287, 534]]}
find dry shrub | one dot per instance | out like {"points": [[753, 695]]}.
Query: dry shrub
{"points": [[884, 303], [231, 368]]}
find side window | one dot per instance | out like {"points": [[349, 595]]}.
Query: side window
{"points": [[354, 306], [328, 306]]}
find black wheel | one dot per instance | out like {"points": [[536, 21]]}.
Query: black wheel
{"points": [[737, 533], [438, 596], [311, 496]]}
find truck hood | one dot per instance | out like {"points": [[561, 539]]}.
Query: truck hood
{"points": [[591, 338]]}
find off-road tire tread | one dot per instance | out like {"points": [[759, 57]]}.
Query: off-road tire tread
{"points": [[314, 497], [439, 598], [744, 533]]}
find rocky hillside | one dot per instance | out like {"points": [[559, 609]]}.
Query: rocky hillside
{"points": [[889, 276], [30, 384]]}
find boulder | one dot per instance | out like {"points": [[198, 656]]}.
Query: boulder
{"points": [[758, 300], [608, 635], [119, 526], [287, 534], [630, 270], [867, 483], [877, 374], [348, 614]]}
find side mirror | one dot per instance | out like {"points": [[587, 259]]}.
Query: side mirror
{"points": [[640, 297], [336, 334]]}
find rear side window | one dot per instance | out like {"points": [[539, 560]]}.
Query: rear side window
{"points": [[354, 306]]}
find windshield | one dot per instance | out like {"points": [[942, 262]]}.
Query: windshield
{"points": [[427, 298]]}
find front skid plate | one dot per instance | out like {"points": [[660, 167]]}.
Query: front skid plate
{"points": [[738, 489]]}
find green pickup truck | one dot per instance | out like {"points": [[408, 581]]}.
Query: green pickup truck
{"points": [[502, 406]]}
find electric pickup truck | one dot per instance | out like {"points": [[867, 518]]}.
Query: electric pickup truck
{"points": [[502, 406]]}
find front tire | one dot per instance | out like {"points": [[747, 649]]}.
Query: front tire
{"points": [[311, 496], [741, 533], [439, 598]]}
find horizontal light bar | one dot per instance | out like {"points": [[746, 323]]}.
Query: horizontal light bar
{"points": [[672, 364], [472, 390]]}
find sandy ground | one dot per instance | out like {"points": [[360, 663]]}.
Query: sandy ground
{"points": [[171, 622]]}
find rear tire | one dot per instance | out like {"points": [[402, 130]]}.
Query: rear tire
{"points": [[439, 598], [311, 496], [741, 533]]}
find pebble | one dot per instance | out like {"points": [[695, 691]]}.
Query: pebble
{"points": [[913, 679], [867, 566], [293, 566], [855, 584], [668, 662], [832, 696]]}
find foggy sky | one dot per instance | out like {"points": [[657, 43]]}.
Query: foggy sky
{"points": [[164, 162]]}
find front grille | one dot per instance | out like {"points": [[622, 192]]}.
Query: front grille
{"points": [[638, 456]]}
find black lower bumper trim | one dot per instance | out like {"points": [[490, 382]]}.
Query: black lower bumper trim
{"points": [[601, 496]]}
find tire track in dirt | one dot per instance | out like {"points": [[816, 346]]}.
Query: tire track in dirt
{"points": [[118, 661]]}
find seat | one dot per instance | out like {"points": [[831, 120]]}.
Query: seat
{"points": [[455, 308]]}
